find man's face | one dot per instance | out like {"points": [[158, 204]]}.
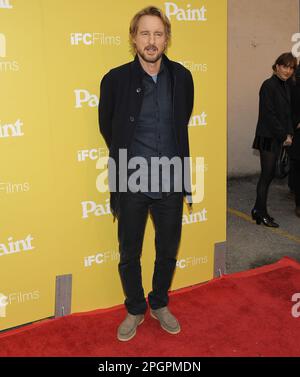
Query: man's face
{"points": [[150, 40], [284, 72]]}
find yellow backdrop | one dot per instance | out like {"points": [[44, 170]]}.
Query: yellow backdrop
{"points": [[53, 221]]}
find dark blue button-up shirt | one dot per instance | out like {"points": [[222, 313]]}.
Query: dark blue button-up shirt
{"points": [[154, 134]]}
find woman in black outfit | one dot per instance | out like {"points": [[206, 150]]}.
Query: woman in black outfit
{"points": [[274, 129], [295, 148]]}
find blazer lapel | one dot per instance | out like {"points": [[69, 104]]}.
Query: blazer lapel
{"points": [[136, 88]]}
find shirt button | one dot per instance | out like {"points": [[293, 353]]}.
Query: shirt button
{"points": [[138, 90], [131, 118]]}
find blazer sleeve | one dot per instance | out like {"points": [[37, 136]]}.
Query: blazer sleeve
{"points": [[105, 108], [291, 126], [189, 104], [266, 96], [190, 96]]}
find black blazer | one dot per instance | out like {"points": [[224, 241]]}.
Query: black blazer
{"points": [[295, 148], [121, 95], [274, 119]]}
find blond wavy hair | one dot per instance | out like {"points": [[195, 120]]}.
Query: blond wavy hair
{"points": [[148, 11]]}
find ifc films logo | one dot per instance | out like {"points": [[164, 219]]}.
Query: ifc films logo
{"points": [[3, 305]]}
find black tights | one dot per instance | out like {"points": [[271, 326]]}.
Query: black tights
{"points": [[268, 165]]}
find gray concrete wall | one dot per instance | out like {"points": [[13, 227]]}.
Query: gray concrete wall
{"points": [[258, 32]]}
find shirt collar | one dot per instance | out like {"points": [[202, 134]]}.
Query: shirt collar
{"points": [[161, 69]]}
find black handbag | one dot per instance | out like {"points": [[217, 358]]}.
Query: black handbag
{"points": [[282, 164]]}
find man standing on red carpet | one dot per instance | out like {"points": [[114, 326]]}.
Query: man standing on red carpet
{"points": [[144, 110]]}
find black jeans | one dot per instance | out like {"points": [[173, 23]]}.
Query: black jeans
{"points": [[167, 218]]}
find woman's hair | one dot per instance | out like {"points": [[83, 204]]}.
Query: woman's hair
{"points": [[287, 59], [148, 11]]}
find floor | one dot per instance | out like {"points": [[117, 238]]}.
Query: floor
{"points": [[250, 245]]}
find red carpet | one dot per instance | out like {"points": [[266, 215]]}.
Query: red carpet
{"points": [[243, 314]]}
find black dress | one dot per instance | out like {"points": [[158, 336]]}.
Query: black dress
{"points": [[273, 125], [269, 144], [275, 118]]}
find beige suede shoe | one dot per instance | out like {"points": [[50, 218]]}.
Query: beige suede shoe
{"points": [[167, 321], [127, 328]]}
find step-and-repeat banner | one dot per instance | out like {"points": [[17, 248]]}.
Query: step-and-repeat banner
{"points": [[53, 220]]}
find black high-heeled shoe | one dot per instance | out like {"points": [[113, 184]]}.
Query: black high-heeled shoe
{"points": [[255, 213], [271, 218], [266, 220]]}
